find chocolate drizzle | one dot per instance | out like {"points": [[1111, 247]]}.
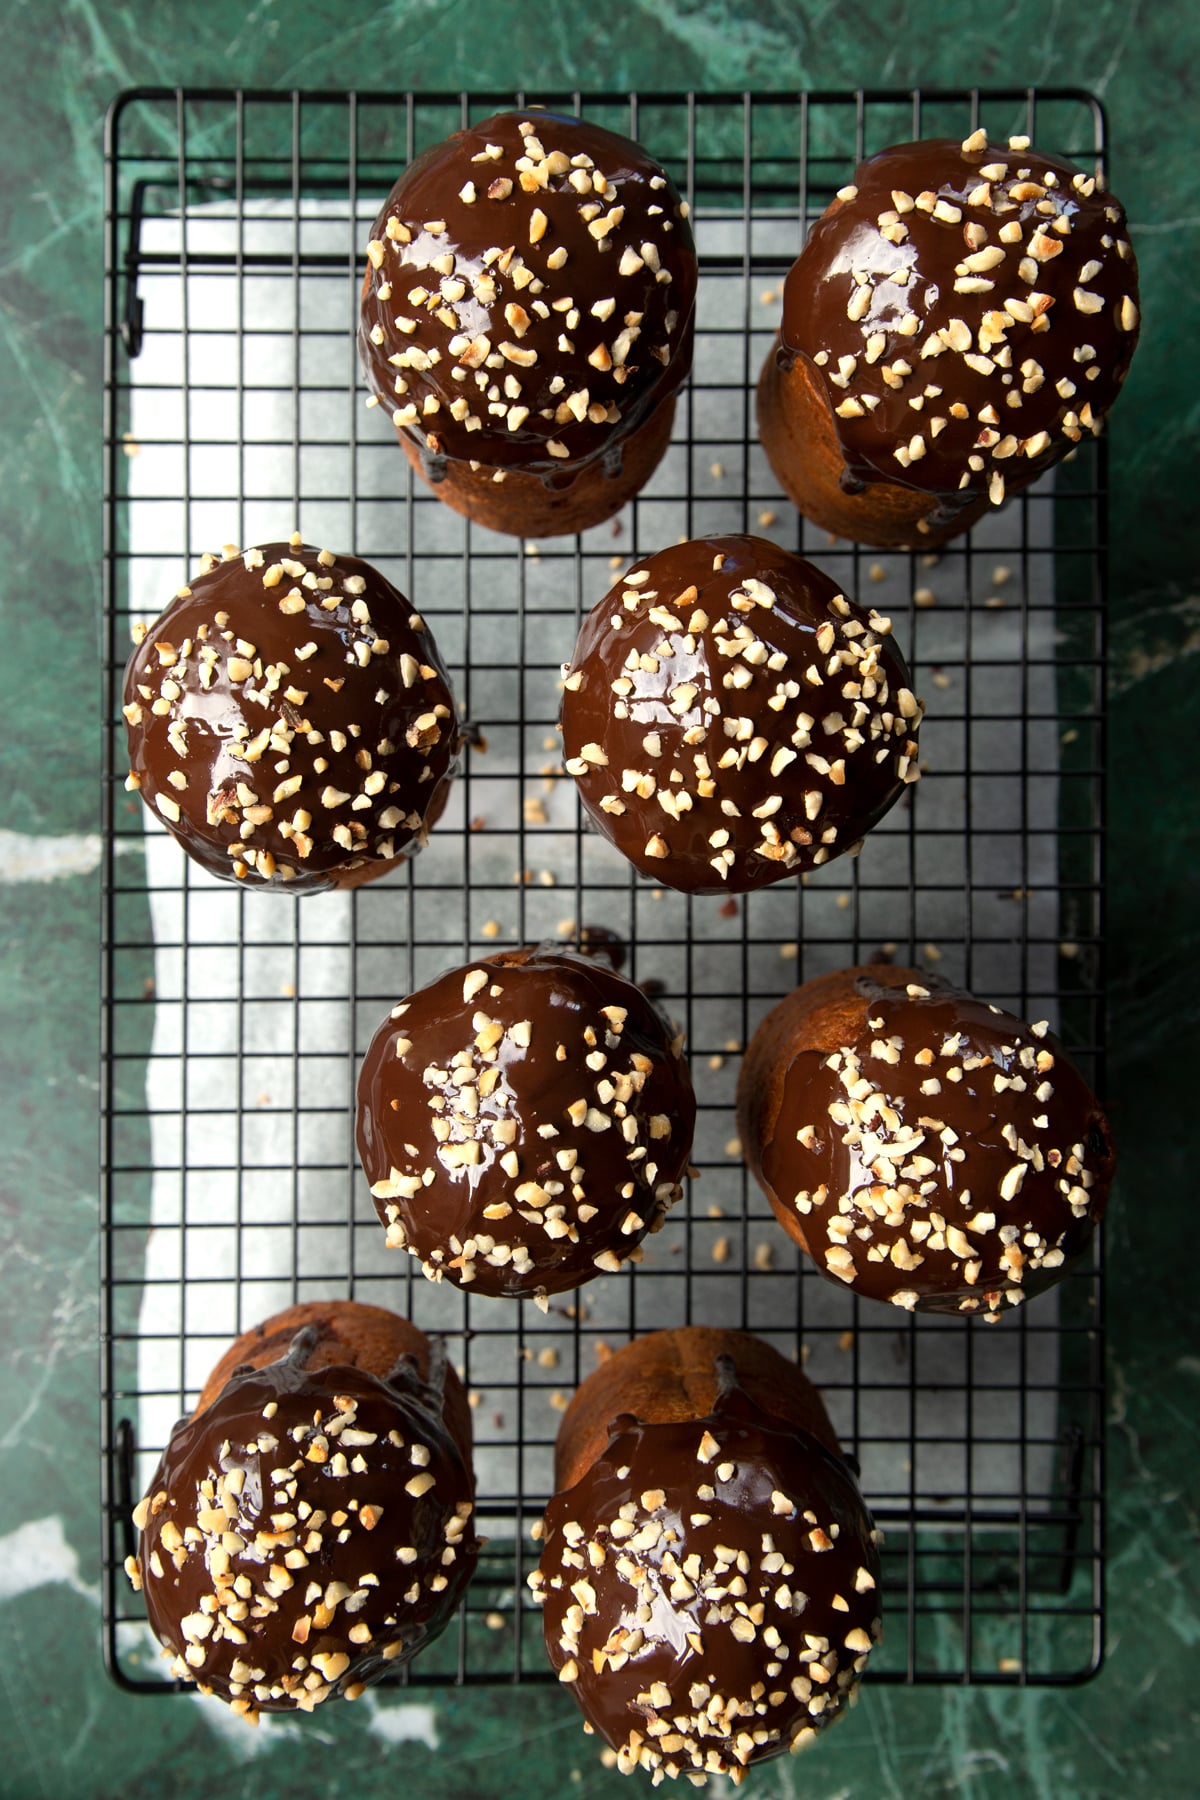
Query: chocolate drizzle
{"points": [[731, 719], [709, 1589], [529, 295], [290, 720], [941, 1155], [523, 1122], [306, 1532], [971, 310]]}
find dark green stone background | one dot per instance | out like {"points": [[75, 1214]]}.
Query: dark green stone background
{"points": [[66, 1732]]}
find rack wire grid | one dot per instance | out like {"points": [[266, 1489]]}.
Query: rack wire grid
{"points": [[233, 1022]]}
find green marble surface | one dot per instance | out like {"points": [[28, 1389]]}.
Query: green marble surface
{"points": [[66, 1730]]}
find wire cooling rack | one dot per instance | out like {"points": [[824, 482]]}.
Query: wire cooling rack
{"points": [[232, 1022]]}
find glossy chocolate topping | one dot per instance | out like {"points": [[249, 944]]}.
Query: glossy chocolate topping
{"points": [[289, 718], [972, 309], [529, 294], [709, 1589], [731, 719], [306, 1532], [524, 1121], [946, 1157]]}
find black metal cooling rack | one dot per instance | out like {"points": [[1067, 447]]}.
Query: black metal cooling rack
{"points": [[231, 1023]]}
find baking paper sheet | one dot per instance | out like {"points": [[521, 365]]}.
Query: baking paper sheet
{"points": [[224, 1086]]}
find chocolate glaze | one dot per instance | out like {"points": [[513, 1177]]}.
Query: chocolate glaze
{"points": [[1015, 303], [550, 264], [289, 719], [764, 726], [696, 1577], [941, 1154], [541, 1168], [306, 1532]]}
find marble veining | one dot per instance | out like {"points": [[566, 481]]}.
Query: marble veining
{"points": [[1131, 1731]]}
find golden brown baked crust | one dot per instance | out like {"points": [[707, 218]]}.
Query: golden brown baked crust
{"points": [[347, 1332], [531, 507], [795, 426], [672, 1375]]}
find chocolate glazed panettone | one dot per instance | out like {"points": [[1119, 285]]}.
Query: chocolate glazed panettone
{"points": [[709, 1574], [309, 1527], [524, 1122], [960, 317], [527, 317], [923, 1147], [731, 719], [290, 720]]}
